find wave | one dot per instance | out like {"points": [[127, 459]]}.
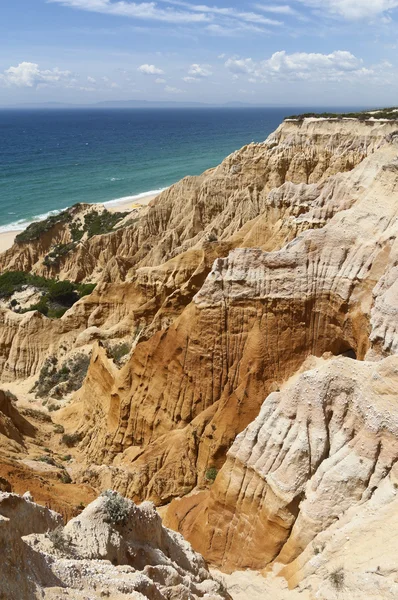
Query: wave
{"points": [[24, 223]]}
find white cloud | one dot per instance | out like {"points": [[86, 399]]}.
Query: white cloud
{"points": [[234, 28], [191, 79], [200, 70], [240, 65], [160, 80], [353, 9], [280, 9], [177, 12], [225, 12], [150, 70], [91, 79], [141, 10], [173, 90], [28, 74], [337, 66]]}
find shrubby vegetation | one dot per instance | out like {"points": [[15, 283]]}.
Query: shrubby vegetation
{"points": [[72, 374], [118, 351], [337, 579], [35, 230], [116, 507], [57, 298], [384, 113], [33, 413], [211, 474], [70, 440], [53, 258], [94, 223], [61, 541]]}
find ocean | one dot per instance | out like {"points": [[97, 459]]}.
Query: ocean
{"points": [[51, 159]]}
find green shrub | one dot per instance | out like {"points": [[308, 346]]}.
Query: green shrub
{"points": [[60, 540], [53, 258], [41, 307], [35, 230], [337, 579], [76, 232], [85, 289], [96, 223], [66, 478], [384, 113], [118, 351], [36, 414], [57, 296], [116, 507], [211, 474], [10, 282], [72, 373], [71, 439], [58, 428]]}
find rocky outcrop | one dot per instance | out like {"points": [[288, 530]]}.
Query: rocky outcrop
{"points": [[177, 405], [113, 547], [326, 442], [13, 426]]}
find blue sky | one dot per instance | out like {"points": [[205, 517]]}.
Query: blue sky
{"points": [[314, 52]]}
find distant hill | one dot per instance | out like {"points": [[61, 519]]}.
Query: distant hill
{"points": [[133, 104]]}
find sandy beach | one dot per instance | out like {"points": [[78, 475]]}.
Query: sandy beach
{"points": [[130, 204], [7, 237]]}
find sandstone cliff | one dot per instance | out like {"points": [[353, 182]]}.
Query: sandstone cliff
{"points": [[113, 547], [229, 288]]}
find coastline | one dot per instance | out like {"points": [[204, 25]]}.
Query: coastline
{"points": [[123, 205], [7, 239]]}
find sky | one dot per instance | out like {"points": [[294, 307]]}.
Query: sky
{"points": [[290, 52]]}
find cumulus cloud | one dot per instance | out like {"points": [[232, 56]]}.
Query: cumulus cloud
{"points": [[191, 79], [196, 70], [353, 9], [150, 70], [28, 74], [172, 90], [337, 66], [91, 79], [160, 80]]}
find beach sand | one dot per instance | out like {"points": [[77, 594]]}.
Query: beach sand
{"points": [[130, 204], [7, 237]]}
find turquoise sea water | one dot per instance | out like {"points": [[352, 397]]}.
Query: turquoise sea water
{"points": [[51, 159]]}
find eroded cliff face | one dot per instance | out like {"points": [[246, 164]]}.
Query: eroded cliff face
{"points": [[326, 442], [151, 266], [226, 286], [190, 389], [113, 548]]}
